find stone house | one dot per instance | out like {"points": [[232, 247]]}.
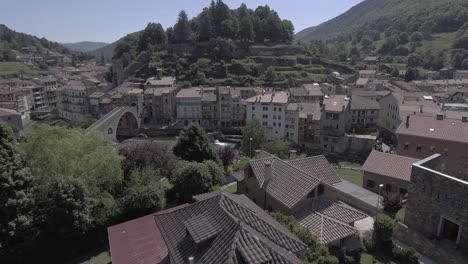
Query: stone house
{"points": [[364, 113], [189, 106], [309, 190], [393, 171], [436, 215], [12, 118], [303, 124], [159, 106]]}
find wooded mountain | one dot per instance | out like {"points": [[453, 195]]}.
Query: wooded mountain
{"points": [[12, 40], [430, 34], [387, 13], [84, 46]]}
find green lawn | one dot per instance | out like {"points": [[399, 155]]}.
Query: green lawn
{"points": [[377, 258], [232, 188], [350, 164], [439, 42], [102, 257], [353, 176], [8, 68]]}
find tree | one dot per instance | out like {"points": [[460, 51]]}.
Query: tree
{"points": [[410, 75], [56, 152], [226, 154], [141, 154], [253, 130], [457, 61], [191, 178], [17, 195], [216, 172], [391, 203], [416, 37], [316, 252], [270, 75], [246, 30], [395, 73], [205, 26], [65, 208], [279, 148], [193, 144], [143, 193], [383, 231], [103, 61], [153, 35], [414, 60], [182, 30]]}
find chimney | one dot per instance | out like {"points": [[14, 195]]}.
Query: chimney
{"points": [[267, 171], [191, 260], [464, 119], [407, 121], [257, 153], [440, 116], [292, 155]]}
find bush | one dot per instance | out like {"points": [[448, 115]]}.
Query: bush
{"points": [[406, 255], [383, 231]]}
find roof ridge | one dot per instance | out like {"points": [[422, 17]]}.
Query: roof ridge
{"points": [[335, 220], [310, 157]]}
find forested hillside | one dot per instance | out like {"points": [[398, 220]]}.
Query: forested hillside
{"points": [[12, 40], [434, 32], [85, 46]]}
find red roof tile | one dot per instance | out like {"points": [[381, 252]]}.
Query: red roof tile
{"points": [[389, 165]]}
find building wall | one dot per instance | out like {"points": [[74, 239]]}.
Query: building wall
{"points": [[460, 75], [271, 116], [13, 120], [454, 154], [397, 185], [189, 110], [389, 114], [432, 196], [364, 119]]}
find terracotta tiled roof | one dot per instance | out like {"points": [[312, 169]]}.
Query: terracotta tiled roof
{"points": [[361, 103], [325, 228], [240, 233], [279, 98], [389, 165], [430, 127], [335, 103], [319, 167]]}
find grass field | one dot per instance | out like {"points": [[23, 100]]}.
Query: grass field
{"points": [[367, 258], [353, 176], [100, 258], [401, 214], [439, 42], [8, 68]]}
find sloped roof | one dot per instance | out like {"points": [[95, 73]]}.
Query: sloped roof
{"points": [[284, 178], [361, 103], [319, 167], [325, 228], [390, 165], [239, 232]]}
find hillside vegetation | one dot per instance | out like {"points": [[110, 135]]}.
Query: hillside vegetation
{"points": [[223, 46], [85, 46], [435, 32]]}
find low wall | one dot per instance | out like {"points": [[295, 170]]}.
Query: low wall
{"points": [[351, 200], [430, 248]]}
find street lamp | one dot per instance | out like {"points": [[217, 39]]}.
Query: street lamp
{"points": [[250, 146], [378, 197]]}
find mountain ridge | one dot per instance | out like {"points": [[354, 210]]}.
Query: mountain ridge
{"points": [[84, 46]]}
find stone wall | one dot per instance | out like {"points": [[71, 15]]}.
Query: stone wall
{"points": [[381, 179], [433, 195]]}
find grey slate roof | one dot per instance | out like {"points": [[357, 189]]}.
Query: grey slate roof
{"points": [[329, 221], [229, 229], [319, 167], [361, 103]]}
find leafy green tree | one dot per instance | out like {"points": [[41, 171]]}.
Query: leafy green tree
{"points": [[391, 203], [246, 29], [216, 172], [416, 37], [65, 207], [153, 35], [395, 73], [279, 148], [253, 130], [17, 195], [205, 26], [182, 30], [226, 154], [229, 28], [457, 61], [270, 75], [193, 144], [191, 178], [143, 193], [414, 60], [57, 152], [383, 230], [410, 75]]}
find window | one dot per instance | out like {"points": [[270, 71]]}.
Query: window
{"points": [[403, 191], [279, 109], [265, 123], [265, 116], [406, 145], [265, 108], [370, 184], [274, 109], [279, 117], [253, 108], [418, 147], [274, 116], [325, 139], [320, 190], [279, 124], [388, 187], [274, 123], [253, 116]]}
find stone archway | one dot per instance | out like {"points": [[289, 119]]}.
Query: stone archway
{"points": [[120, 121]]}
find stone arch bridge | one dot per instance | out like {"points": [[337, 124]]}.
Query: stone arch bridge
{"points": [[122, 121]]}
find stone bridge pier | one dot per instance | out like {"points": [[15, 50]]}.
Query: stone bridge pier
{"points": [[121, 121]]}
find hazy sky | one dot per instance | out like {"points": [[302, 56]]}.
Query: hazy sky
{"points": [[109, 20]]}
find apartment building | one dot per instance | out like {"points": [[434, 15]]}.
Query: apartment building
{"points": [[51, 85], [73, 100], [189, 106], [334, 122], [460, 75], [364, 114], [303, 124], [14, 99], [270, 110], [160, 105], [307, 93], [423, 136], [36, 97]]}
